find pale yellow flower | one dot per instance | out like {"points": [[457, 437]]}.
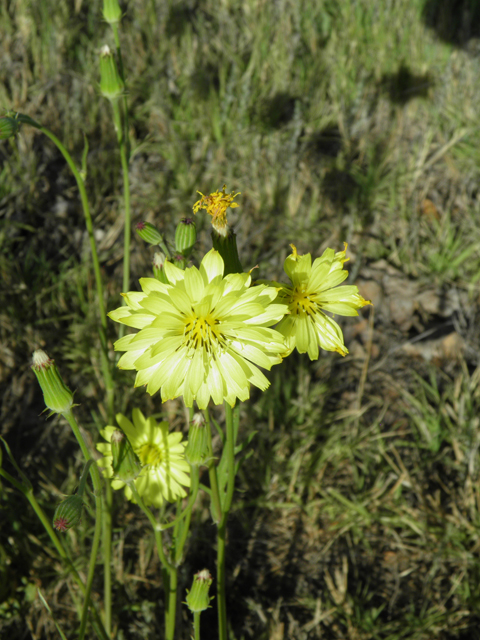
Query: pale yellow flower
{"points": [[164, 468], [313, 291], [201, 336]]}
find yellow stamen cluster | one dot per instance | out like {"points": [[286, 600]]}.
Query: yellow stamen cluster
{"points": [[216, 205]]}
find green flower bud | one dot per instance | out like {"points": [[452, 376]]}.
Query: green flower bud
{"points": [[185, 236], [111, 11], [126, 465], [68, 513], [179, 261], [226, 245], [8, 127], [197, 598], [196, 451], [158, 270], [58, 397], [111, 85], [148, 233]]}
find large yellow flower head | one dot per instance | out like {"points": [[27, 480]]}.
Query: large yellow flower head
{"points": [[314, 289], [203, 335], [216, 205], [164, 468]]}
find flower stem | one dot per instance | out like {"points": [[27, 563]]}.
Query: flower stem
{"points": [[27, 491], [196, 625], [105, 362], [231, 419], [106, 371], [212, 474], [122, 76], [170, 577], [122, 143], [187, 514], [98, 519], [107, 556]]}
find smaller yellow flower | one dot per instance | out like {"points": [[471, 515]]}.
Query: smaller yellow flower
{"points": [[314, 289], [161, 454], [216, 205]]}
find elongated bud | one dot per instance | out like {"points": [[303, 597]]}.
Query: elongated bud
{"points": [[197, 598], [158, 270], [111, 85], [111, 11], [196, 451], [68, 513], [226, 245], [126, 465], [58, 397], [8, 127], [149, 233], [185, 236]]}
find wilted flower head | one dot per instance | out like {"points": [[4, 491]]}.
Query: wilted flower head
{"points": [[201, 336], [216, 205], [161, 454], [313, 291]]}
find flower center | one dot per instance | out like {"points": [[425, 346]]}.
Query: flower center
{"points": [[150, 454], [202, 333], [302, 302]]}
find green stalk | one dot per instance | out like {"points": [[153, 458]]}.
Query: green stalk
{"points": [[105, 363], [126, 196], [212, 474], [28, 493], [93, 248], [170, 577], [95, 474], [230, 418], [187, 514], [122, 76], [196, 625], [107, 556]]}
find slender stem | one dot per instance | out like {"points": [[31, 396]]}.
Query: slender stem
{"points": [[222, 526], [107, 556], [97, 486], [126, 197], [187, 514], [121, 70], [101, 632], [196, 625], [102, 330], [105, 362], [170, 577], [106, 515], [83, 478], [212, 474]]}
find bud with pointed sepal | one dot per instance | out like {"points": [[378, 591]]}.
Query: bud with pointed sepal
{"points": [[197, 598], [111, 84], [58, 397]]}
